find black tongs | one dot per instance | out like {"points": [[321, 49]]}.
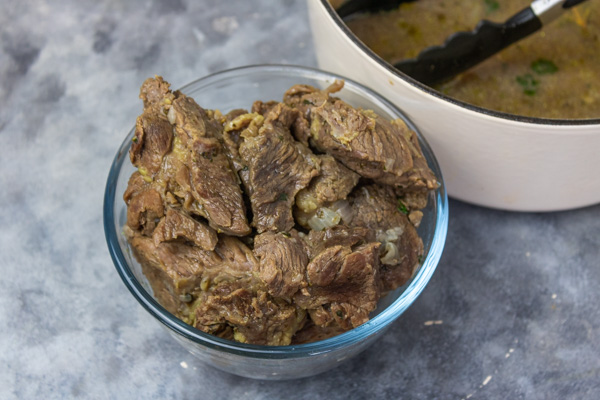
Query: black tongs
{"points": [[464, 50]]}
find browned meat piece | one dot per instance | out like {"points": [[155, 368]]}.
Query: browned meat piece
{"points": [[339, 235], [333, 183], [262, 108], [282, 261], [144, 211], [278, 167], [365, 142], [255, 317], [152, 140], [154, 91], [377, 208], [178, 225], [135, 185], [343, 286], [179, 272], [213, 183], [312, 333]]}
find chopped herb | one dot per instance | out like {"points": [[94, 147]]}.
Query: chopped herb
{"points": [[528, 83], [420, 259], [283, 197], [339, 313], [491, 6], [543, 67], [135, 139], [280, 137], [401, 207], [307, 102], [286, 234], [245, 168]]}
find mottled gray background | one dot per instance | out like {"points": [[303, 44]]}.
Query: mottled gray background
{"points": [[512, 311]]}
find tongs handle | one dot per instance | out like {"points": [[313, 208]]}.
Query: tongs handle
{"points": [[464, 50]]}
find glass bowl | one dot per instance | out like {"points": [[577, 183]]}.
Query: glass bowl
{"points": [[238, 88]]}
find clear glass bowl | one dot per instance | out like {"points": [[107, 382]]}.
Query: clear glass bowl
{"points": [[238, 88]]}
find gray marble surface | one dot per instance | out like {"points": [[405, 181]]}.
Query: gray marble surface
{"points": [[512, 311]]}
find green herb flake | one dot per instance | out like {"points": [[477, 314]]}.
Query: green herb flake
{"points": [[245, 168], [420, 259], [286, 234], [307, 102], [528, 83], [491, 6], [283, 197], [339, 313], [135, 139], [543, 67], [402, 208]]}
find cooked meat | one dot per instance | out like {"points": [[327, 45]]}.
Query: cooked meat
{"points": [[375, 207], [339, 235], [144, 211], [282, 261], [333, 183], [153, 91], [278, 168], [312, 333], [178, 225], [253, 316], [214, 185], [326, 243], [343, 286], [152, 140], [362, 140]]}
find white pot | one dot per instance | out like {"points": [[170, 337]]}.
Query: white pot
{"points": [[487, 158]]}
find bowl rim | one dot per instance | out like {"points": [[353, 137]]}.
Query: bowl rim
{"points": [[470, 107], [374, 325]]}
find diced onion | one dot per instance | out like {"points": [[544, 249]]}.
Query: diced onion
{"points": [[342, 207], [171, 115], [324, 218], [390, 257]]}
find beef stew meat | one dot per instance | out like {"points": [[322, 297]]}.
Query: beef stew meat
{"points": [[278, 226]]}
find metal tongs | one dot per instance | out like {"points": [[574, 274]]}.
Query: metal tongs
{"points": [[463, 50]]}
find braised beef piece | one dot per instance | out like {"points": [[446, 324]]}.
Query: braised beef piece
{"points": [[178, 272], [362, 140], [154, 91], [254, 317], [213, 183], [263, 107], [152, 140], [339, 235], [282, 259], [343, 286], [178, 225], [278, 168], [377, 208], [144, 210], [312, 333], [334, 183]]}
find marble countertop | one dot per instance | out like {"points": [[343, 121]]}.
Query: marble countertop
{"points": [[512, 311]]}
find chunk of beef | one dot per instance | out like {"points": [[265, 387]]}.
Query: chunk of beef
{"points": [[154, 91], [362, 140], [263, 107], [282, 261], [254, 317], [144, 210], [179, 272], [178, 225], [152, 140], [278, 167], [312, 333], [343, 286], [213, 183], [339, 235], [334, 183], [376, 208]]}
